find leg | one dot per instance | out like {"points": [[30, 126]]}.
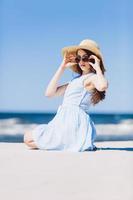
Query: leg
{"points": [[28, 140]]}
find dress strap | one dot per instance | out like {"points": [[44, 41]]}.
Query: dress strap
{"points": [[75, 77]]}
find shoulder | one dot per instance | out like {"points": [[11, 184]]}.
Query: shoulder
{"points": [[89, 77], [88, 81], [95, 82]]}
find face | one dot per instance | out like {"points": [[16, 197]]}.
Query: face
{"points": [[85, 67]]}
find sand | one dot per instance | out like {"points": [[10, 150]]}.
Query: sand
{"points": [[106, 174]]}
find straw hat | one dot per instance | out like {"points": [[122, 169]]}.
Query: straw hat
{"points": [[87, 44]]}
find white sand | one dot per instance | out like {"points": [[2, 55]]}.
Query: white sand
{"points": [[51, 175]]}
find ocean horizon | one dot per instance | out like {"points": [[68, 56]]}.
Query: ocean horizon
{"points": [[45, 117]]}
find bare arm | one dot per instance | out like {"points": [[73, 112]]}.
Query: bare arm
{"points": [[98, 80], [53, 85], [53, 89], [60, 90]]}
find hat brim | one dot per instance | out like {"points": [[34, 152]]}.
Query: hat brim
{"points": [[73, 49]]}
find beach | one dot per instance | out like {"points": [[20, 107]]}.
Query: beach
{"points": [[36, 174], [78, 76]]}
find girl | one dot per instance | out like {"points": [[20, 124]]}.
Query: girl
{"points": [[72, 128]]}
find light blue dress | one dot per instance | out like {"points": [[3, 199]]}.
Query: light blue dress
{"points": [[71, 129]]}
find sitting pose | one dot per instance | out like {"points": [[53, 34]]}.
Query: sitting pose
{"points": [[72, 129]]}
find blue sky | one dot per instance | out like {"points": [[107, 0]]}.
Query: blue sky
{"points": [[33, 34]]}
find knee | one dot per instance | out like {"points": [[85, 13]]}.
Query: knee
{"points": [[28, 140]]}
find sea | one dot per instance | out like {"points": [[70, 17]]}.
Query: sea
{"points": [[109, 126]]}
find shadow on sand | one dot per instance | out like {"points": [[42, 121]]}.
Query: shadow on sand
{"points": [[116, 148], [19, 139]]}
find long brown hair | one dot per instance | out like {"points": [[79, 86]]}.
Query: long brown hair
{"points": [[96, 95]]}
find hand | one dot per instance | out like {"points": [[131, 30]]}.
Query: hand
{"points": [[96, 64], [68, 60]]}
